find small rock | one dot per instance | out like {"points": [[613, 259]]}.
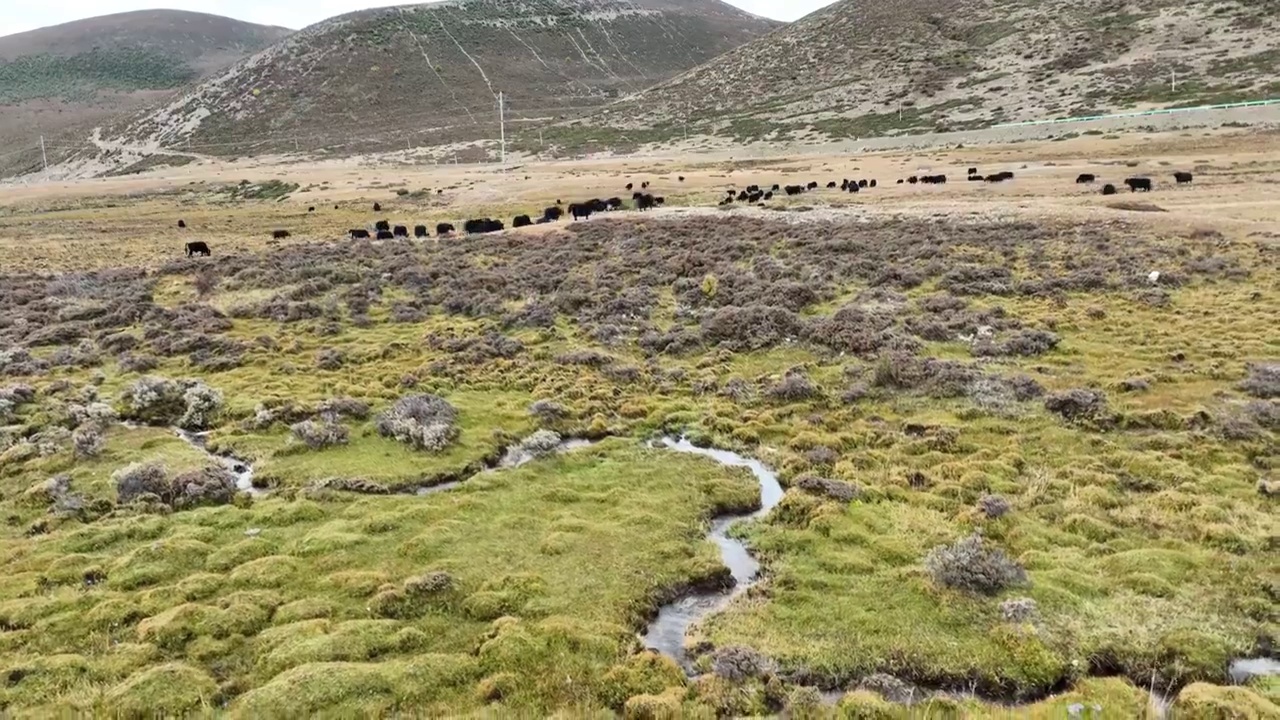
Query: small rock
{"points": [[253, 532]]}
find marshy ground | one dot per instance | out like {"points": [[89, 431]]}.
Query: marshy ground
{"points": [[1019, 469]]}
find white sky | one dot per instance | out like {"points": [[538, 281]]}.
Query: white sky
{"points": [[18, 16]]}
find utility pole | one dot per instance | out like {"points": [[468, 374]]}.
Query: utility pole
{"points": [[1173, 79], [44, 159], [502, 129]]}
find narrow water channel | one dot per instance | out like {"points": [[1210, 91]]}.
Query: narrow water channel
{"points": [[667, 631]]}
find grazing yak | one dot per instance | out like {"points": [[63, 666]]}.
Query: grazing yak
{"points": [[1108, 189], [628, 187], [913, 179], [775, 187], [482, 225], [999, 177], [385, 235], [420, 231], [400, 231], [973, 171], [853, 187], [613, 203], [811, 186], [198, 247], [1182, 177], [795, 189], [862, 184], [279, 234], [1136, 184], [443, 229], [377, 207], [680, 178], [580, 211], [311, 209], [182, 223], [553, 213], [644, 202], [768, 195], [872, 183], [358, 234], [521, 221], [382, 225], [831, 184], [1085, 178]]}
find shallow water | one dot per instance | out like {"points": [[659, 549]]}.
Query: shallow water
{"points": [[667, 632], [1245, 669], [511, 459], [241, 469]]}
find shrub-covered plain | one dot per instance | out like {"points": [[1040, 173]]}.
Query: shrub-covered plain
{"points": [[980, 496]]}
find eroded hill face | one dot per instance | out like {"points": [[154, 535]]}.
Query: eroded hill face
{"points": [[431, 73], [860, 68], [78, 73]]}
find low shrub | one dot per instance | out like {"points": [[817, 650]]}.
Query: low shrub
{"points": [[429, 584], [348, 407], [426, 422], [203, 404], [207, 486], [833, 489], [138, 480], [540, 443], [319, 435], [137, 362], [330, 358], [994, 506], [739, 664], [793, 387], [87, 441], [1022, 609], [190, 404], [1026, 343], [548, 412], [971, 565], [1077, 404], [1263, 381], [750, 328]]}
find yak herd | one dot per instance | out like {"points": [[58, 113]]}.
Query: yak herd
{"points": [[752, 194]]}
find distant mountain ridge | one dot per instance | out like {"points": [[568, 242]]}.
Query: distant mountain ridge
{"points": [[861, 68], [57, 78], [430, 74]]}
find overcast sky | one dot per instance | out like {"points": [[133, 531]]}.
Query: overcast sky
{"points": [[19, 15]]}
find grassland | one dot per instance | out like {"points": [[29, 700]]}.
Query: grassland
{"points": [[1022, 379]]}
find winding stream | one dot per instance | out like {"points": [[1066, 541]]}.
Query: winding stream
{"points": [[667, 632], [241, 469]]}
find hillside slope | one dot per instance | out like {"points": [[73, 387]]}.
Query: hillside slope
{"points": [[78, 73], [427, 74], [860, 68]]}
